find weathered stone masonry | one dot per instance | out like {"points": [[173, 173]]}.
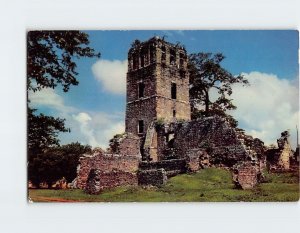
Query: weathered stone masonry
{"points": [[160, 139], [111, 167], [157, 85]]}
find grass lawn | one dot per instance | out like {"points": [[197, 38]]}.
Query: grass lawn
{"points": [[212, 184]]}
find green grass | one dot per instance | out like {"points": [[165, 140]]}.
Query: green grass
{"points": [[212, 184]]}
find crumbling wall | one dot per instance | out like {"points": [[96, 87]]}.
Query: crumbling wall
{"points": [[197, 159], [105, 163], [99, 180], [213, 135], [246, 175], [129, 145], [278, 159]]}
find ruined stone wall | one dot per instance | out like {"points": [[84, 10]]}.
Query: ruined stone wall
{"points": [[246, 175], [215, 136], [99, 180], [161, 144], [284, 158], [279, 159], [172, 167], [130, 145], [106, 163], [197, 159]]}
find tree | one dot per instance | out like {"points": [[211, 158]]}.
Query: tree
{"points": [[51, 61], [50, 58], [206, 73], [114, 143], [42, 132], [55, 163]]}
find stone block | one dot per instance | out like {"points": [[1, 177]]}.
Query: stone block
{"points": [[246, 176], [157, 177]]}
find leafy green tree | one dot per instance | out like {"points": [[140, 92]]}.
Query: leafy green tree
{"points": [[206, 73], [56, 162], [42, 132], [51, 61], [51, 58], [71, 154]]}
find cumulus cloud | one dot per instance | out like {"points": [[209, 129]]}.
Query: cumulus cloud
{"points": [[46, 97], [93, 128], [267, 107], [96, 129], [49, 98], [111, 75]]}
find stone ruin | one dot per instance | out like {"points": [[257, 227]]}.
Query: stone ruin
{"points": [[160, 139], [103, 170], [282, 158]]}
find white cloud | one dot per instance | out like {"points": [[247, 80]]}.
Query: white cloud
{"points": [[49, 98], [95, 129], [267, 107], [264, 109], [112, 75], [84, 125]]}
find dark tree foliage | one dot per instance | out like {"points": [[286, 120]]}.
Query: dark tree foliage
{"points": [[114, 143], [42, 132], [57, 162], [206, 73], [50, 58]]}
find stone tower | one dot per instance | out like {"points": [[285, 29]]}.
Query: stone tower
{"points": [[157, 85]]}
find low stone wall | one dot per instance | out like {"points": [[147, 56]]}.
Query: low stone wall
{"points": [[106, 163], [172, 166], [99, 180], [152, 177]]}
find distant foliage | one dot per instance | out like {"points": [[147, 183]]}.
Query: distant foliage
{"points": [[42, 132], [114, 143], [57, 162]]}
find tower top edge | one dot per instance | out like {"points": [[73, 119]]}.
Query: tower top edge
{"points": [[155, 41]]}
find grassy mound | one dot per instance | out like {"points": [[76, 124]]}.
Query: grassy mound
{"points": [[212, 184]]}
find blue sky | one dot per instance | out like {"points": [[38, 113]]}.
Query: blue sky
{"points": [[95, 109]]}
